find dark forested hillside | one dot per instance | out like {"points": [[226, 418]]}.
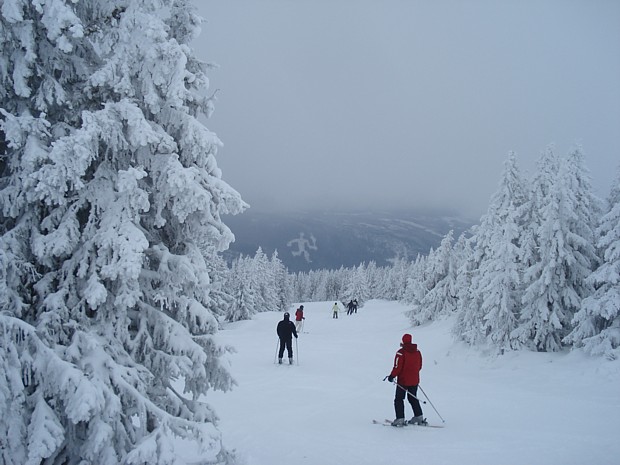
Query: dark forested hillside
{"points": [[328, 240]]}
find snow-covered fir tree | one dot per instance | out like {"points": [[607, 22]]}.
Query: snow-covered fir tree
{"points": [[439, 297], [111, 203], [555, 283], [374, 279], [356, 287], [220, 297], [414, 278], [597, 323], [394, 286], [263, 275], [467, 326], [244, 290], [315, 285], [257, 284], [547, 168], [282, 282], [333, 284], [496, 282]]}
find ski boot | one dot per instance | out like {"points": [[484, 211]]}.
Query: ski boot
{"points": [[399, 422], [280, 361], [419, 420], [290, 360]]}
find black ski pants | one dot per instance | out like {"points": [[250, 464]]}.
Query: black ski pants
{"points": [[288, 343], [399, 400]]}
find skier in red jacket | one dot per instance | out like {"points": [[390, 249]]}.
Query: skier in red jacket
{"points": [[299, 318], [407, 366]]}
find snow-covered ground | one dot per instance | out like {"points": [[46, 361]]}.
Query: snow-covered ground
{"points": [[522, 408]]}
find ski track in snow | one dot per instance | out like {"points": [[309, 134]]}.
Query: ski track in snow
{"points": [[521, 408]]}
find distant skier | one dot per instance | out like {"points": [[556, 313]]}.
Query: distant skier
{"points": [[350, 307], [335, 310], [355, 305], [299, 318], [406, 370], [286, 330]]}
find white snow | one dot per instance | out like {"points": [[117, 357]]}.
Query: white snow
{"points": [[520, 408]]}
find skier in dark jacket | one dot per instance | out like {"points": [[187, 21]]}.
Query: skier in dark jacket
{"points": [[406, 371], [286, 330], [350, 307]]}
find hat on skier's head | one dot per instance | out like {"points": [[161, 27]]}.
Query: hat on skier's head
{"points": [[407, 338], [301, 306], [286, 315]]}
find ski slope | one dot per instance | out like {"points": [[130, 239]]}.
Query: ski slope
{"points": [[521, 408]]}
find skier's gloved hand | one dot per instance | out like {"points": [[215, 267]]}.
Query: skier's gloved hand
{"points": [[295, 336], [391, 379]]}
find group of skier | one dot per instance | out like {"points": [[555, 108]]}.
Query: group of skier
{"points": [[405, 371], [352, 307]]}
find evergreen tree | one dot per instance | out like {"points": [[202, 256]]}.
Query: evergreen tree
{"points": [[547, 168], [333, 284], [357, 285], [315, 285], [394, 285], [263, 274], [415, 287], [110, 203], [282, 283], [220, 298], [597, 323], [556, 282], [440, 296], [243, 290], [497, 283], [467, 326], [373, 278]]}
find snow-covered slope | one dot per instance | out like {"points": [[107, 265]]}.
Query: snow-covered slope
{"points": [[521, 408]]}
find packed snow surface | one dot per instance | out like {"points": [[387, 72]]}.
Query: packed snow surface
{"points": [[522, 408]]}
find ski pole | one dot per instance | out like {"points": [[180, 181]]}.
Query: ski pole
{"points": [[416, 398], [297, 350], [276, 354], [429, 401]]}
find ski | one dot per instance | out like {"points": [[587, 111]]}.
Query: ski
{"points": [[389, 423]]}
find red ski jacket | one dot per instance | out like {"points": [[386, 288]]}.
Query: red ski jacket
{"points": [[407, 365], [299, 314]]}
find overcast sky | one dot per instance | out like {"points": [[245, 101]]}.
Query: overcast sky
{"points": [[376, 104]]}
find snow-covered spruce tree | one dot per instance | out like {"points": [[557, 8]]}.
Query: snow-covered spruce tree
{"points": [[556, 283], [220, 297], [356, 286], [597, 323], [243, 288], [414, 278], [547, 169], [262, 274], [467, 326], [333, 284], [394, 285], [496, 284], [440, 296], [282, 283], [110, 203], [298, 285], [374, 276], [315, 285]]}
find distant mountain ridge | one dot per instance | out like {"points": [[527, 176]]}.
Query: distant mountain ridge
{"points": [[328, 240]]}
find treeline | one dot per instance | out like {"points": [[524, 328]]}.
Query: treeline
{"points": [[541, 270]]}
